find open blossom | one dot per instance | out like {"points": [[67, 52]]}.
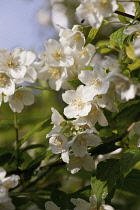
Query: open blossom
{"points": [[123, 86], [82, 141], [5, 184], [56, 121], [93, 11], [22, 97], [55, 75], [136, 44], [81, 58], [72, 37], [15, 63], [59, 144], [76, 163], [57, 55], [95, 115], [7, 86], [79, 101], [84, 205], [95, 79]]}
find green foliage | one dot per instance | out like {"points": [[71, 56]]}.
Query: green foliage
{"points": [[91, 35], [128, 160], [74, 83], [132, 182], [45, 123], [119, 37], [122, 19], [105, 179]]}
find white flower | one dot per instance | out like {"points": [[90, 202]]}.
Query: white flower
{"points": [[82, 141], [7, 86], [49, 205], [73, 38], [136, 46], [87, 11], [59, 144], [108, 100], [56, 120], [93, 11], [123, 86], [95, 79], [82, 58], [113, 154], [111, 63], [5, 184], [79, 101], [95, 115], [8, 205], [55, 75], [15, 63], [84, 205], [22, 97], [132, 29], [57, 55], [76, 163]]}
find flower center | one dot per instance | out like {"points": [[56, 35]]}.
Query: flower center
{"points": [[77, 37], [3, 79], [104, 3], [57, 54], [95, 82], [58, 141], [11, 63], [83, 52], [54, 73], [18, 95], [77, 103], [90, 8]]}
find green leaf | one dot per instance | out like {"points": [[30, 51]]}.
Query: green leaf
{"points": [[132, 182], [35, 129], [34, 146], [130, 52], [108, 172], [134, 65], [74, 83], [122, 18], [121, 121], [119, 37], [62, 200], [91, 35], [128, 160], [6, 124]]}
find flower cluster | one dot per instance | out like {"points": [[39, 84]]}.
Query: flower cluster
{"points": [[101, 87], [16, 67], [93, 11]]}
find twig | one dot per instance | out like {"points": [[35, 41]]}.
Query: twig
{"points": [[126, 15]]}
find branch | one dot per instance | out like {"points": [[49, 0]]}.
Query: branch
{"points": [[126, 15]]}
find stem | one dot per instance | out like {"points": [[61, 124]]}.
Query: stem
{"points": [[126, 15], [17, 137]]}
